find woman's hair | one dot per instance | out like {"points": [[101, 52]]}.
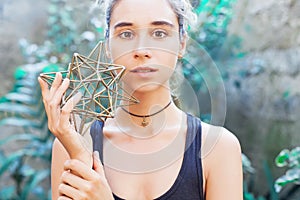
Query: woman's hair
{"points": [[182, 9]]}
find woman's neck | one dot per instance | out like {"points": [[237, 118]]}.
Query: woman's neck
{"points": [[156, 103], [149, 102]]}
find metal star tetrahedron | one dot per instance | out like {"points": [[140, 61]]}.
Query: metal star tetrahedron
{"points": [[97, 81]]}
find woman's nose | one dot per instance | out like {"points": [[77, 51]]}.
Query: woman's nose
{"points": [[142, 52], [142, 45]]}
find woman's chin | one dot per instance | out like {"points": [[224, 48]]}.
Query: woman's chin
{"points": [[138, 89]]}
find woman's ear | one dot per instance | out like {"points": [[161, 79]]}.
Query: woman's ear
{"points": [[182, 48]]}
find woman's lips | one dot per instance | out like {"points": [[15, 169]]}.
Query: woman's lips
{"points": [[143, 70]]}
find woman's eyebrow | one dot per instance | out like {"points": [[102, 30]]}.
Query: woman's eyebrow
{"points": [[162, 23], [122, 24], [154, 23]]}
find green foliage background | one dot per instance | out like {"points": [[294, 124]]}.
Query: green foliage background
{"points": [[22, 106]]}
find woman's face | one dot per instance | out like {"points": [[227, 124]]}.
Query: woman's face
{"points": [[144, 37]]}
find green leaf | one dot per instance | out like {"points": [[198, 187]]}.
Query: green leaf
{"points": [[20, 73], [247, 167], [21, 98], [286, 94], [2, 156], [51, 68], [33, 181], [248, 196], [282, 159], [24, 90], [270, 181], [26, 83], [8, 192], [20, 122], [27, 170], [292, 160], [281, 182], [5, 164], [40, 192], [17, 109], [23, 137], [293, 174], [295, 156]]}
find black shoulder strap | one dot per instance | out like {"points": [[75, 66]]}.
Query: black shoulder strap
{"points": [[96, 132], [196, 135]]}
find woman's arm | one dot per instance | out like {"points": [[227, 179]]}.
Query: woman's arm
{"points": [[59, 157], [223, 167], [71, 179]]}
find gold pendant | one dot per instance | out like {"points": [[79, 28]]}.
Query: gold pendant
{"points": [[144, 122]]}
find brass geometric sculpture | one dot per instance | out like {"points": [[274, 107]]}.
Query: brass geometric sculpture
{"points": [[98, 82]]}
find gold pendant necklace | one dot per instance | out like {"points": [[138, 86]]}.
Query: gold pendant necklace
{"points": [[145, 123]]}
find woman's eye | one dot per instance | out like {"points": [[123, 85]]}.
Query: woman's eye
{"points": [[159, 34], [126, 35]]}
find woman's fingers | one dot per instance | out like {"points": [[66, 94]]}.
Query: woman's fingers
{"points": [[55, 111], [57, 96], [69, 191], [57, 118], [78, 167], [44, 87], [90, 183], [68, 107], [75, 181], [56, 83], [64, 198]]}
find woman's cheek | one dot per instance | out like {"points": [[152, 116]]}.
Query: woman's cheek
{"points": [[120, 50]]}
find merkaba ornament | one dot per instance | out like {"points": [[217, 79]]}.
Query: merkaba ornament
{"points": [[98, 82]]}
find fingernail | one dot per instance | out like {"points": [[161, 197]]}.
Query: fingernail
{"points": [[67, 162], [96, 154]]}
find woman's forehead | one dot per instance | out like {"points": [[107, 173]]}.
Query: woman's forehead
{"points": [[143, 12]]}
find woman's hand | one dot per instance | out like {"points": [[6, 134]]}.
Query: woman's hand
{"points": [[79, 181], [59, 118]]}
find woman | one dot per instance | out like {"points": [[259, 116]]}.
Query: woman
{"points": [[160, 154]]}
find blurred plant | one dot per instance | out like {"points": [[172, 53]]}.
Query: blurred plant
{"points": [[27, 169], [286, 158], [248, 182], [290, 159], [61, 37], [29, 165], [208, 37], [66, 34], [213, 20], [248, 171]]}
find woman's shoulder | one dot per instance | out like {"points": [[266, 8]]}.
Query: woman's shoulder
{"points": [[221, 162], [218, 142], [214, 138]]}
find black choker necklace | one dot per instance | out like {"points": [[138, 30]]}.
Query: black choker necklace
{"points": [[144, 122]]}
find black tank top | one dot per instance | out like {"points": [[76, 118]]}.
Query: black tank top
{"points": [[189, 182]]}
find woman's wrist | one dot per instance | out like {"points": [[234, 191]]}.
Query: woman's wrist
{"points": [[75, 145]]}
